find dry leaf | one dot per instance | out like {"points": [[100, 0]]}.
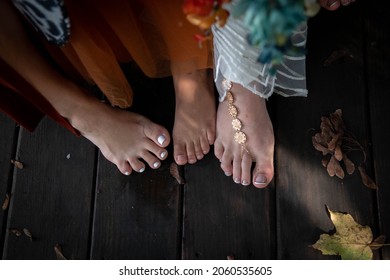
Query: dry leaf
{"points": [[17, 163], [367, 181], [28, 234], [6, 202], [319, 147], [230, 257], [58, 251], [15, 231], [338, 154], [349, 165], [378, 242], [174, 170], [351, 240]]}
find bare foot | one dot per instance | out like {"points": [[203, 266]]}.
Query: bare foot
{"points": [[257, 126], [194, 127], [124, 138], [332, 5]]}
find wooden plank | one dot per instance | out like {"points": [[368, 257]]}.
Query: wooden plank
{"points": [[303, 187], [7, 143], [378, 70], [138, 217], [222, 218], [51, 195]]}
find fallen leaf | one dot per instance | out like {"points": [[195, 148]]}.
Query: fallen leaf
{"points": [[15, 231], [58, 251], [28, 234], [174, 170], [378, 242], [334, 168], [17, 163], [6, 202], [349, 165], [367, 181], [351, 240], [319, 147]]}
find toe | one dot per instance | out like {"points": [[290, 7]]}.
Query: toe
{"points": [[179, 153], [218, 151], [156, 150], [330, 5], [226, 164], [345, 2], [191, 154], [137, 165], [198, 150], [237, 169], [151, 160], [205, 146], [246, 165], [262, 175], [124, 168], [156, 133], [211, 137]]}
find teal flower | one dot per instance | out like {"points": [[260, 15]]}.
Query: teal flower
{"points": [[271, 24]]}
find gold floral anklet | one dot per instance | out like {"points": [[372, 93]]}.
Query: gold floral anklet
{"points": [[239, 136]]}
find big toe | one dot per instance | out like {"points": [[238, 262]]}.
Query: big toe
{"points": [[157, 133], [330, 5], [262, 175]]}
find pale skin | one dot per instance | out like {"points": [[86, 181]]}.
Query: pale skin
{"points": [[257, 126], [124, 138]]}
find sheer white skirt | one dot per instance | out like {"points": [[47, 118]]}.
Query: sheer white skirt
{"points": [[236, 61]]}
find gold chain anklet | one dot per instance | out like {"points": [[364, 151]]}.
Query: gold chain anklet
{"points": [[239, 135]]}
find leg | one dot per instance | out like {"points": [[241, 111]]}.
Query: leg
{"points": [[124, 138], [194, 127], [260, 140]]}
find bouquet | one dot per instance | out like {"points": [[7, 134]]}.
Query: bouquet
{"points": [[270, 23]]}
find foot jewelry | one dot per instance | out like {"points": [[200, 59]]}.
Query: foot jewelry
{"points": [[239, 136]]}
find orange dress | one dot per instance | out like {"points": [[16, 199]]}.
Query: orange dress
{"points": [[152, 33]]}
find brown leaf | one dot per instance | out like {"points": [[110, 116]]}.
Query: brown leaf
{"points": [[338, 154], [174, 170], [325, 162], [15, 231], [334, 142], [17, 163], [58, 251], [367, 181], [378, 242], [230, 257], [349, 165], [334, 168], [28, 234], [334, 56], [6, 202], [319, 147]]}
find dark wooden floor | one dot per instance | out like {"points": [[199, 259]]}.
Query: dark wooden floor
{"points": [[68, 194]]}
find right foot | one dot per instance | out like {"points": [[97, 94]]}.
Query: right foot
{"points": [[123, 137]]}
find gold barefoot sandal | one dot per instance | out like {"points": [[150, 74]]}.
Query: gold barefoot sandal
{"points": [[239, 136]]}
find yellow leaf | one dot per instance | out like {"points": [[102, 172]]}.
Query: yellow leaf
{"points": [[351, 240]]}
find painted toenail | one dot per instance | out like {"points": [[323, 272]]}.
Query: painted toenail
{"points": [[332, 3], [163, 154], [228, 174], [245, 183], [260, 180], [156, 164], [142, 170], [161, 139], [127, 173], [236, 180]]}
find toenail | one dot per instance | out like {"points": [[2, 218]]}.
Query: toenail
{"points": [[331, 3], [245, 183], [127, 173], [142, 170], [161, 139], [228, 174], [163, 154], [236, 180], [156, 164], [260, 180]]}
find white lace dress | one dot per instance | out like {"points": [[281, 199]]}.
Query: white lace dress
{"points": [[236, 61]]}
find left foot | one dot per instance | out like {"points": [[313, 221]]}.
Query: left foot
{"points": [[194, 127], [256, 124]]}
